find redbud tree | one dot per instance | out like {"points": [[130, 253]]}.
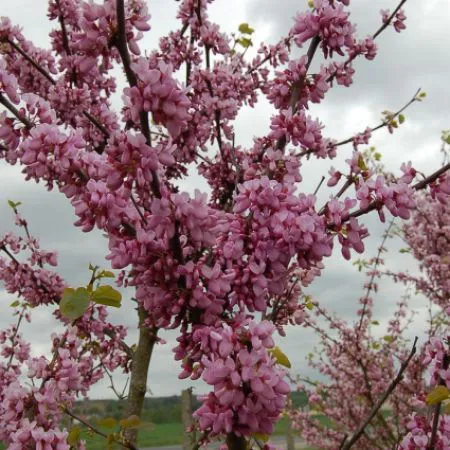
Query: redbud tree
{"points": [[358, 360], [226, 267]]}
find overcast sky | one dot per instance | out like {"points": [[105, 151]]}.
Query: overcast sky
{"points": [[418, 57]]}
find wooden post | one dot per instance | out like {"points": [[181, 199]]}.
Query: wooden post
{"points": [[186, 416], [290, 438]]}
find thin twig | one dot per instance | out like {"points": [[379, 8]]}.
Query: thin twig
{"points": [[112, 386], [16, 330], [298, 86], [343, 441], [43, 72], [35, 64], [133, 200], [346, 185], [437, 409], [65, 41], [358, 433], [319, 185], [418, 186], [434, 428], [374, 36], [390, 19], [8, 105], [374, 272], [381, 125], [97, 431]]}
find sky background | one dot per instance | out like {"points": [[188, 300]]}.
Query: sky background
{"points": [[418, 57]]}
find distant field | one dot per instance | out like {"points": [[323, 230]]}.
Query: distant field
{"points": [[160, 435], [157, 435]]}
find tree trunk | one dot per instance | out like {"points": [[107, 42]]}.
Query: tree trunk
{"points": [[235, 442], [290, 438], [186, 415], [139, 373]]}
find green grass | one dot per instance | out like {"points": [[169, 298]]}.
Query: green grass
{"points": [[159, 435], [155, 435]]}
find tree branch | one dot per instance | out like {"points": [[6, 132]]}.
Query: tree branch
{"points": [[130, 446], [122, 46], [21, 117], [418, 186], [388, 22], [374, 271], [43, 72], [381, 125], [358, 433]]}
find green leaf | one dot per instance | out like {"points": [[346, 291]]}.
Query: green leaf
{"points": [[245, 42], [261, 437], [447, 139], [377, 156], [405, 250], [105, 274], [447, 408], [74, 302], [362, 163], [375, 322], [401, 118], [14, 205], [92, 268], [388, 338], [244, 28], [74, 436], [15, 303], [438, 394], [131, 422], [107, 422], [280, 357], [376, 345], [107, 295], [308, 302]]}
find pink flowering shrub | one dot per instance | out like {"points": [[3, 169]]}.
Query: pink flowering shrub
{"points": [[226, 269]]}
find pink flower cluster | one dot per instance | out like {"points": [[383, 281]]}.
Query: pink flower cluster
{"points": [[428, 235], [249, 392], [421, 435], [157, 92], [329, 21]]}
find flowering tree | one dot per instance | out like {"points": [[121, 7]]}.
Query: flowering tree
{"points": [[358, 366], [428, 235], [225, 269]]}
